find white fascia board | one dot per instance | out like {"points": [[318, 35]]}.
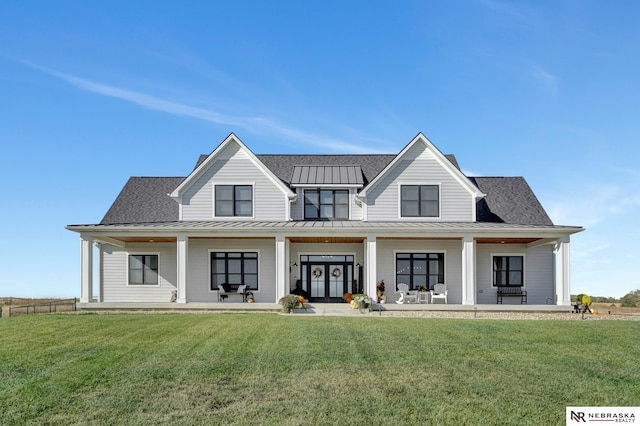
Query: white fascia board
{"points": [[232, 138]]}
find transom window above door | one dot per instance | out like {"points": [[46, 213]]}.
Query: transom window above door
{"points": [[234, 200], [419, 200], [326, 204]]}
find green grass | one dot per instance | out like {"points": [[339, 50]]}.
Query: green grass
{"points": [[293, 370]]}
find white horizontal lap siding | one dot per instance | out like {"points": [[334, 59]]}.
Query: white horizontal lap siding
{"points": [[233, 167], [538, 273], [386, 259], [115, 286], [199, 278], [384, 201], [539, 277]]}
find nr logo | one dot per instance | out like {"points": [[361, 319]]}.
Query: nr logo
{"points": [[577, 416]]}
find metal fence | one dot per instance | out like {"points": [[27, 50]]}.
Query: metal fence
{"points": [[42, 308]]}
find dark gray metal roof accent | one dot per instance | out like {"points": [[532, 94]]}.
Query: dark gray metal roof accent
{"points": [[335, 225], [145, 199], [327, 175], [509, 200]]}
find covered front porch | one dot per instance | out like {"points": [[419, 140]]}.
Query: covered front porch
{"points": [[357, 256]]}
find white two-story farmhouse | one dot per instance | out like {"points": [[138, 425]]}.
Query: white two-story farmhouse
{"points": [[328, 224]]}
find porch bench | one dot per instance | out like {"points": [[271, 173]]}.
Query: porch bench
{"points": [[512, 292], [231, 290]]}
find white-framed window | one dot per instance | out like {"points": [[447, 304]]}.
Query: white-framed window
{"points": [[326, 204], [507, 270], [420, 200], [418, 269], [143, 269], [234, 268], [233, 200]]}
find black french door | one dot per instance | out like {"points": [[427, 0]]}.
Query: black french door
{"points": [[326, 278]]}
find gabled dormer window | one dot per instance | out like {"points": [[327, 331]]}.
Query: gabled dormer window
{"points": [[326, 204], [419, 201], [234, 200]]}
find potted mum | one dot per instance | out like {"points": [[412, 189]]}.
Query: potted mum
{"points": [[291, 301]]}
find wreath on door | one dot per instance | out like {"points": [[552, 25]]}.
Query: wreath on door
{"points": [[317, 273], [336, 273]]}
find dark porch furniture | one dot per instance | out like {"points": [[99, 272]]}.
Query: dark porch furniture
{"points": [[512, 291], [226, 290]]}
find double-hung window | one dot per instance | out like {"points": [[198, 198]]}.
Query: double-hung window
{"points": [[508, 271], [143, 269], [419, 201], [234, 200], [419, 269], [235, 268], [326, 204]]}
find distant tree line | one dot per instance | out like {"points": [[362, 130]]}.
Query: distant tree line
{"points": [[629, 300]]}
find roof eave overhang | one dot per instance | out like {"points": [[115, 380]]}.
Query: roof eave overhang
{"points": [[398, 230]]}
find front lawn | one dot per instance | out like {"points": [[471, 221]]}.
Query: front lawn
{"points": [[292, 370]]}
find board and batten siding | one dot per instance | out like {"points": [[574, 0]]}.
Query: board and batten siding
{"points": [[115, 265], [419, 166], [199, 278], [297, 208], [386, 264], [539, 279], [233, 166]]}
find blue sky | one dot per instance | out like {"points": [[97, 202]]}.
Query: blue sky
{"points": [[92, 93]]}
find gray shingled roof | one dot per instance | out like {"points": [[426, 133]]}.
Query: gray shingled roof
{"points": [[144, 199], [509, 200]]}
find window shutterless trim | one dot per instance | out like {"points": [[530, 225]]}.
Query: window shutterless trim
{"points": [[508, 255], [217, 187], [333, 204], [411, 284], [420, 216], [227, 252], [128, 269]]}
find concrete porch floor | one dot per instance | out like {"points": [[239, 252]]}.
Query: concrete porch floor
{"points": [[312, 308]]}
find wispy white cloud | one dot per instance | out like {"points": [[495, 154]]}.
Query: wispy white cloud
{"points": [[504, 9], [255, 124], [547, 80]]}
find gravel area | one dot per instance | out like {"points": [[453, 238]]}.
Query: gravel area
{"points": [[510, 315]]}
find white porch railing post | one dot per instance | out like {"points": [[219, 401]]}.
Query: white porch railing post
{"points": [[563, 272], [86, 268], [182, 248], [468, 271]]}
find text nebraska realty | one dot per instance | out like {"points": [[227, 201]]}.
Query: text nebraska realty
{"points": [[579, 416]]}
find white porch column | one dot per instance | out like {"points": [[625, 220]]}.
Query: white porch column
{"points": [[282, 283], [468, 271], [182, 257], [86, 269], [371, 264], [563, 272]]}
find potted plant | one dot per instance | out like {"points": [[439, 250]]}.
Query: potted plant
{"points": [[291, 301], [422, 288]]}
